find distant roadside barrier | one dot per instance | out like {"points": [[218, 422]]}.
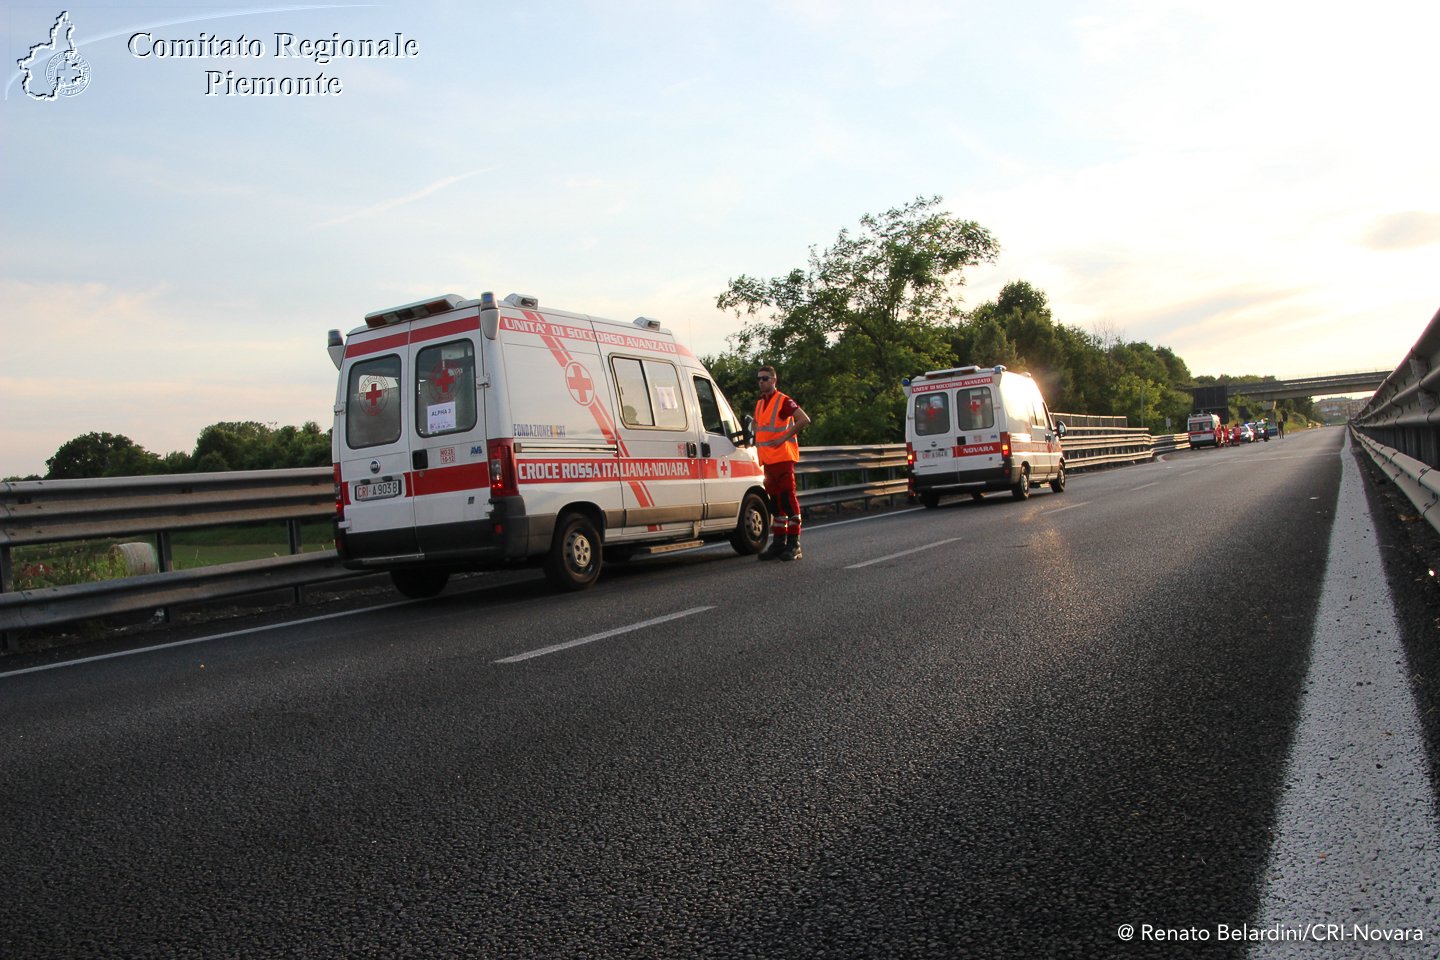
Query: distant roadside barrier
{"points": [[1400, 426], [148, 510]]}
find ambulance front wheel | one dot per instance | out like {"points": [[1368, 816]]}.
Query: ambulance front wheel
{"points": [[1058, 484], [419, 584], [575, 554], [752, 527]]}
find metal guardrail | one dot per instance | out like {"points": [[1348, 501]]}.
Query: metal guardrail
{"points": [[54, 511], [1400, 426]]}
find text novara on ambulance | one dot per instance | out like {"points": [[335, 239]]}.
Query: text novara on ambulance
{"points": [[476, 434]]}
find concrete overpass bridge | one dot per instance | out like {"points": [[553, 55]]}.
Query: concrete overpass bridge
{"points": [[1216, 395]]}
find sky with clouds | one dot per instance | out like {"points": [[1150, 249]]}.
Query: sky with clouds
{"points": [[1253, 185]]}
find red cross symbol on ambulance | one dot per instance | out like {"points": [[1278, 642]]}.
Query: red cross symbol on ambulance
{"points": [[582, 388], [725, 467]]}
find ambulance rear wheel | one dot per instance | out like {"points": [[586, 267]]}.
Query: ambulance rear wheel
{"points": [[575, 554], [752, 527], [930, 499], [1021, 490], [419, 584], [1058, 484]]}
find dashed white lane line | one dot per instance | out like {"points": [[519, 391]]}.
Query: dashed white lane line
{"points": [[1356, 840], [902, 553], [568, 644], [1142, 486]]}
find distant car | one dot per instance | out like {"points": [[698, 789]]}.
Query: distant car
{"points": [[1247, 433]]}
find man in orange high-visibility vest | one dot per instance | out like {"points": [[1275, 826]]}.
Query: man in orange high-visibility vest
{"points": [[777, 421]]}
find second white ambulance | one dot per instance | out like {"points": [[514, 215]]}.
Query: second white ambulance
{"points": [[973, 429], [473, 434]]}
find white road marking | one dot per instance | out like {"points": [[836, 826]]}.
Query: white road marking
{"points": [[205, 639], [902, 553], [1068, 506], [1356, 840], [556, 648], [1142, 486]]}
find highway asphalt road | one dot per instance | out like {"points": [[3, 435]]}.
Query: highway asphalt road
{"points": [[993, 729]]}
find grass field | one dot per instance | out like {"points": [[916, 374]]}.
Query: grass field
{"points": [[87, 561]]}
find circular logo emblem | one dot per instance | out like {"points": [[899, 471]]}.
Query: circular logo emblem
{"points": [[578, 382], [373, 394], [68, 72], [442, 381]]}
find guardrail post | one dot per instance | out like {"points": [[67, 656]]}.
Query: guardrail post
{"points": [[7, 584], [292, 527], [162, 544]]}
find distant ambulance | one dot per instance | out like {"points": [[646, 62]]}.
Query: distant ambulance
{"points": [[973, 429], [1205, 430], [474, 434]]}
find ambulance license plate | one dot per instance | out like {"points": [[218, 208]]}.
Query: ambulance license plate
{"points": [[379, 490]]}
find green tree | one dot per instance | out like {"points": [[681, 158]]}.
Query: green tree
{"points": [[874, 306], [249, 445], [94, 455]]}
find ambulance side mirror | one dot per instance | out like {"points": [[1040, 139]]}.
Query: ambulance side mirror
{"points": [[1060, 429], [745, 437]]}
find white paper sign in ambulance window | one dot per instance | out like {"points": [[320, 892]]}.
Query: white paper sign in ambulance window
{"points": [[372, 405], [975, 409], [932, 414], [445, 388]]}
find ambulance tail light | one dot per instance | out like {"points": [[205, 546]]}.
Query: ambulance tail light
{"points": [[1004, 446], [340, 495], [502, 469], [909, 456]]}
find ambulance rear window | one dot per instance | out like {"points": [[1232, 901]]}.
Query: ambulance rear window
{"points": [[975, 409], [372, 406], [932, 414], [445, 388]]}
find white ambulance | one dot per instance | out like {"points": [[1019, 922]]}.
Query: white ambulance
{"points": [[1205, 430], [472, 434], [973, 429]]}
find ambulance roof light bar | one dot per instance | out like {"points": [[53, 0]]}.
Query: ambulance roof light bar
{"points": [[523, 300], [940, 373], [418, 310], [647, 323]]}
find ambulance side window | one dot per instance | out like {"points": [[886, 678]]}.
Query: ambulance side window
{"points": [[975, 409], [445, 389], [372, 404], [664, 381], [634, 398], [649, 393], [932, 414], [717, 418]]}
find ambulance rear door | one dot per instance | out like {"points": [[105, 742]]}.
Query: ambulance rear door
{"points": [[449, 462], [373, 450]]}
